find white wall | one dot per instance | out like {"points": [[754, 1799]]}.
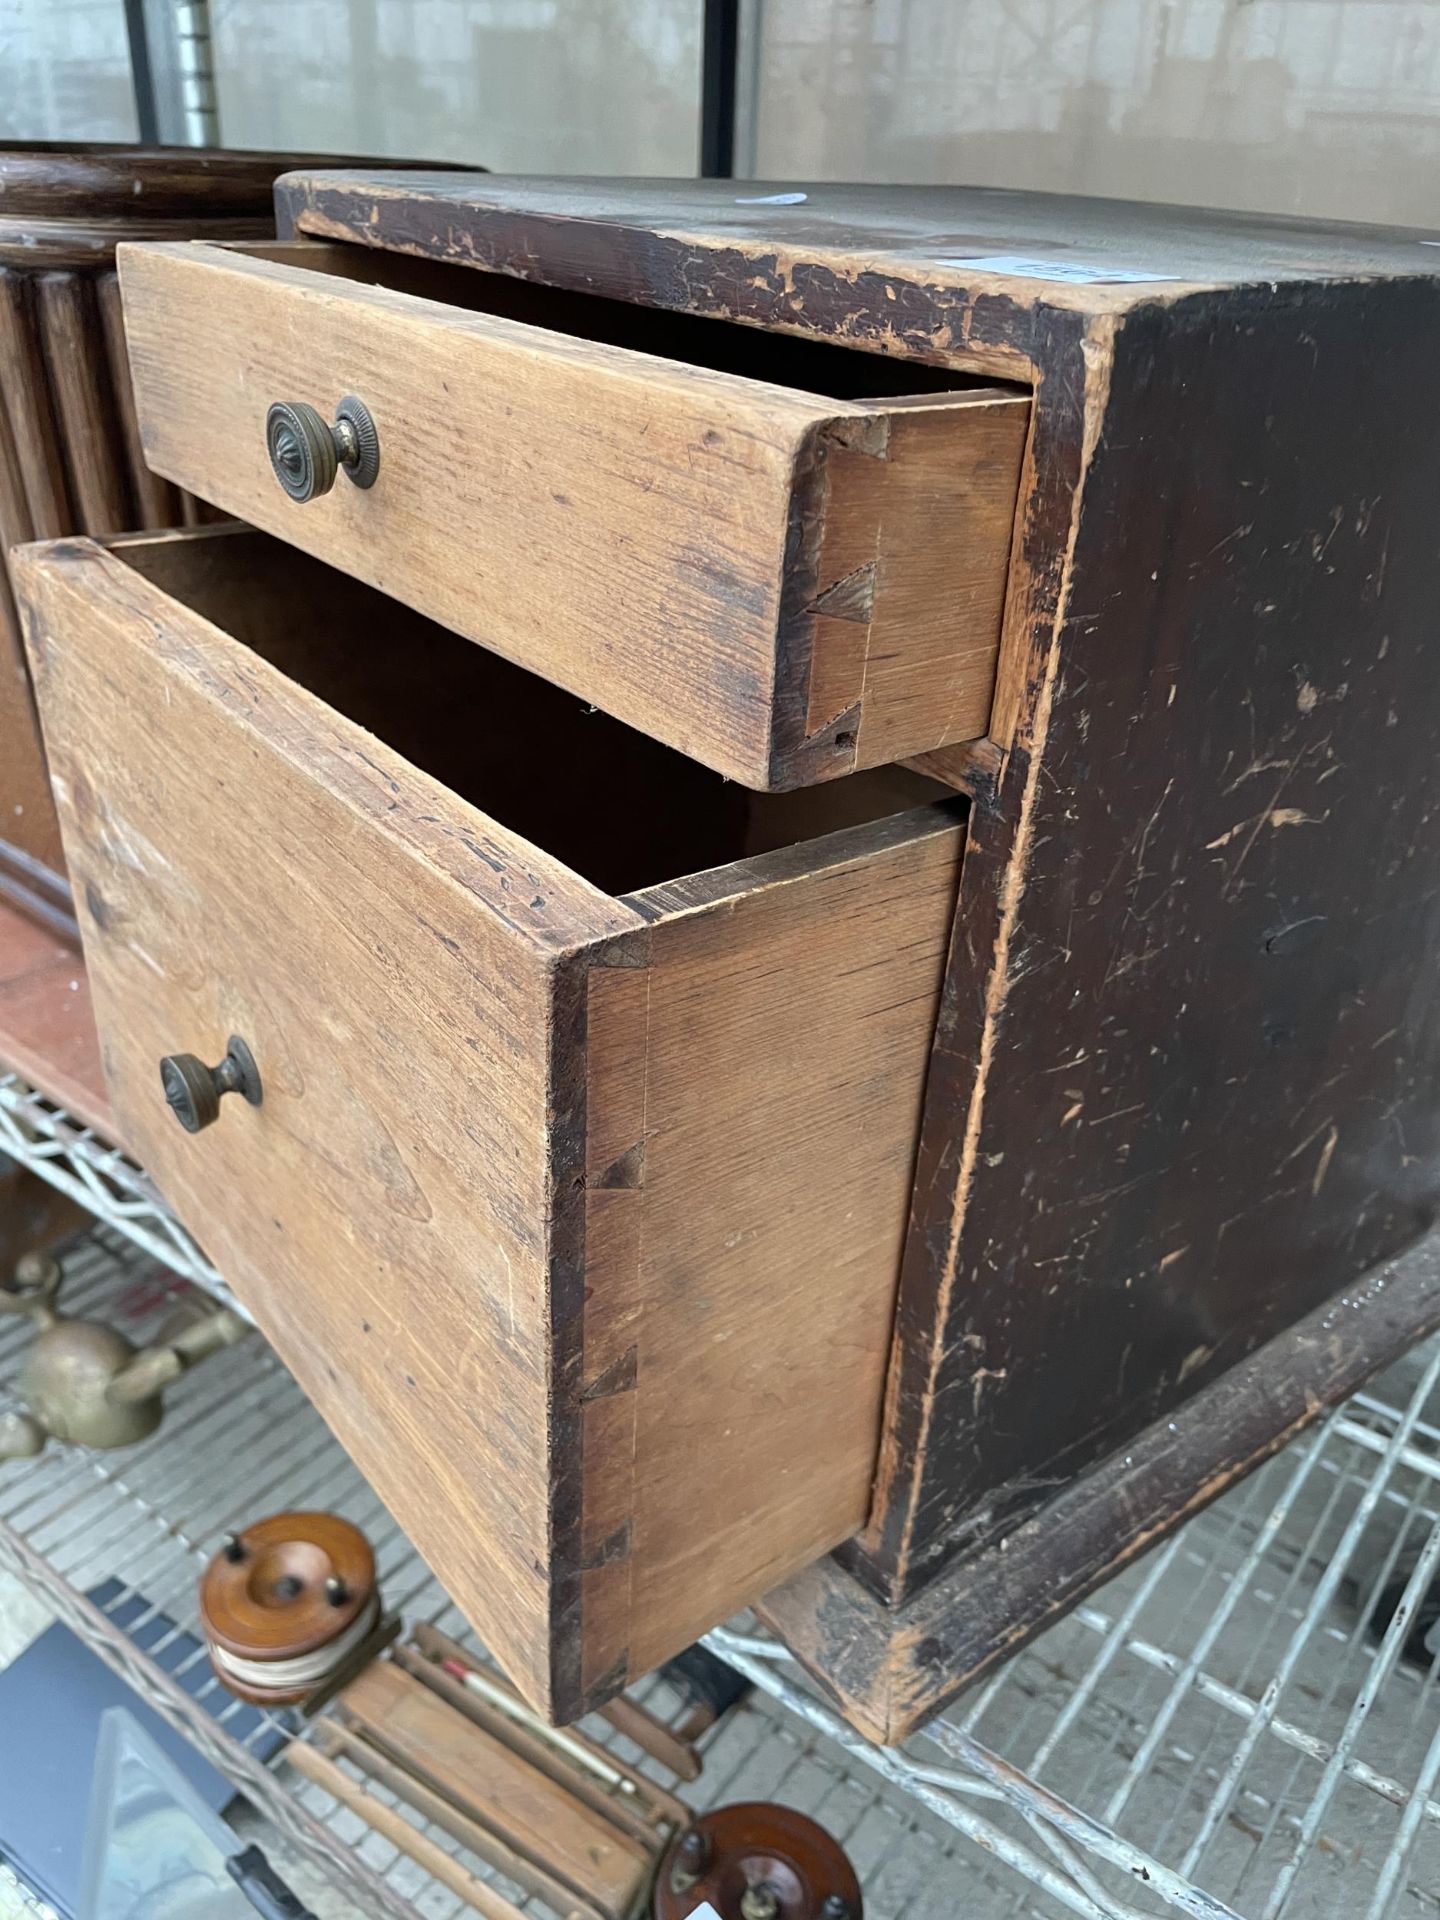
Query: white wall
{"points": [[65, 71], [539, 86], [1330, 107], [1327, 107]]}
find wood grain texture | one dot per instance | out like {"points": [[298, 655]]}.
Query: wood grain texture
{"points": [[32, 504], [790, 1014], [336, 1739], [629, 1815], [322, 1770], [923, 593], [660, 1805], [651, 534], [70, 454], [477, 1773], [29, 830], [25, 383], [47, 1028], [554, 1181], [157, 503], [79, 369], [403, 1022]]}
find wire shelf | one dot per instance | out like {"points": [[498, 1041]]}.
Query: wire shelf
{"points": [[1247, 1723], [42, 1136]]}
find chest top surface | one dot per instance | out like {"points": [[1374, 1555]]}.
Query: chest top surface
{"points": [[620, 236]]}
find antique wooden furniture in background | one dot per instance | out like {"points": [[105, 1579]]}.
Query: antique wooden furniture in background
{"points": [[71, 462], [575, 1192], [70, 458]]}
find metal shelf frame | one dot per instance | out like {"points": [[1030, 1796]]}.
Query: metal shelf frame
{"points": [[1244, 1726], [39, 1134]]}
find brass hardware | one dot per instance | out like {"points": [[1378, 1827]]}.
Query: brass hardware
{"points": [[760, 1902], [84, 1381], [692, 1856], [306, 454], [194, 1090]]}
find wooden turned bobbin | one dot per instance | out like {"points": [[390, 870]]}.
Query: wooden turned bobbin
{"points": [[290, 1608], [757, 1861]]}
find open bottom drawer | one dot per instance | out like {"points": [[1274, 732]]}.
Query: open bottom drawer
{"points": [[575, 1192]]}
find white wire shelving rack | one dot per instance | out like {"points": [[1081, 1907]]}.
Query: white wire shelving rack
{"points": [[1243, 1726]]}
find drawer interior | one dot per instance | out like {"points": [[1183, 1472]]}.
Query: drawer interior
{"points": [[614, 805], [724, 346]]}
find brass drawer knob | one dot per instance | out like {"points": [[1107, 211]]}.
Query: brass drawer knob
{"points": [[194, 1090], [306, 454]]}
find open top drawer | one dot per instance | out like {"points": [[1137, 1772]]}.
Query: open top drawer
{"points": [[575, 1191], [719, 535]]}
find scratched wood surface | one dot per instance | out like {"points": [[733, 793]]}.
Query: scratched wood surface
{"points": [[1221, 862], [892, 1668], [784, 584], [547, 1183], [1181, 1085]]}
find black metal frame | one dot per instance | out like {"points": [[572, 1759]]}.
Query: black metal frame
{"points": [[142, 75], [720, 48]]}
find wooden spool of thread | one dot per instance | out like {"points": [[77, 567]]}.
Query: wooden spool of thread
{"points": [[757, 1861], [285, 1605]]}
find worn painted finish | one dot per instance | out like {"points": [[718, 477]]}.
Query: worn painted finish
{"points": [[1179, 1089], [892, 1668], [1213, 1011]]}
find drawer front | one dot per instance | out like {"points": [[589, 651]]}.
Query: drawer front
{"points": [[782, 585], [578, 1217], [385, 1212]]}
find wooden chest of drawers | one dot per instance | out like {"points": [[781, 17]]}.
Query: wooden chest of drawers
{"points": [[969, 1165]]}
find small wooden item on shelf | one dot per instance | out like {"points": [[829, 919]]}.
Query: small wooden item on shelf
{"points": [[556, 1815], [291, 1610], [757, 1861]]}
